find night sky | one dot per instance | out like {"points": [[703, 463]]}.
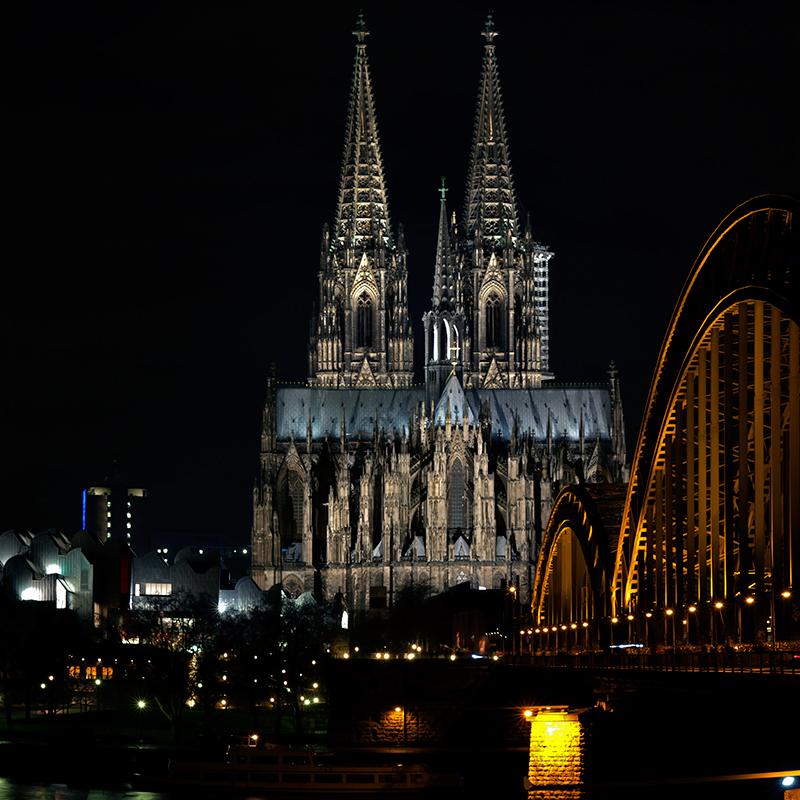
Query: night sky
{"points": [[170, 169]]}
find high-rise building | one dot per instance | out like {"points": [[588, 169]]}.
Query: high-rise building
{"points": [[116, 510], [368, 483]]}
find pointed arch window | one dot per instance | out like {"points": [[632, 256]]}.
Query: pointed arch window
{"points": [[456, 517], [364, 321], [494, 322]]}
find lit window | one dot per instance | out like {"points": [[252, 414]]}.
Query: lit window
{"points": [[161, 589]]}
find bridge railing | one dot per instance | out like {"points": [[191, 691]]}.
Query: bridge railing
{"points": [[780, 662]]}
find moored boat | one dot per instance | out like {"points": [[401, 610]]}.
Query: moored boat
{"points": [[276, 769]]}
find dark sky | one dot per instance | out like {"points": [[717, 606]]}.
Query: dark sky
{"points": [[170, 169]]}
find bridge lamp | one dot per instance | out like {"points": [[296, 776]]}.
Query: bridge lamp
{"points": [[670, 612], [649, 614], [573, 626], [749, 600], [786, 594], [718, 605], [563, 627], [546, 630], [630, 617], [538, 630], [614, 620], [585, 624], [692, 609]]}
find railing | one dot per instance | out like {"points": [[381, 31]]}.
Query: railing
{"points": [[773, 662]]}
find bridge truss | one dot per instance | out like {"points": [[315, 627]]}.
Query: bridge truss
{"points": [[708, 546]]}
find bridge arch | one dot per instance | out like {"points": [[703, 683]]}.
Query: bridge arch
{"points": [[710, 532], [574, 572]]}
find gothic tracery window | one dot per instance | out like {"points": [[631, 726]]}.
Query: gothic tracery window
{"points": [[364, 321], [494, 322], [456, 511]]}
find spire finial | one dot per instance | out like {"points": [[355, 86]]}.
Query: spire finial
{"points": [[489, 31], [361, 31], [442, 190]]}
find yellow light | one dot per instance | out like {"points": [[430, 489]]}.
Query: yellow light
{"points": [[563, 627], [614, 619], [546, 630], [223, 702], [254, 737], [528, 712], [786, 594], [453, 657], [649, 614], [398, 709], [630, 616], [411, 656], [750, 600], [573, 626], [386, 655], [718, 604], [141, 704], [315, 685], [347, 655], [669, 612], [585, 624], [693, 609], [538, 630]]}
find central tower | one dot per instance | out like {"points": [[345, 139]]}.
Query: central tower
{"points": [[362, 334]]}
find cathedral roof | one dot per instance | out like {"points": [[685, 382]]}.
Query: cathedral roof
{"points": [[560, 406], [362, 208], [392, 407], [491, 201]]}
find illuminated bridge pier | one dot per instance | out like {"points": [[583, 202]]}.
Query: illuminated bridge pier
{"points": [[705, 548]]}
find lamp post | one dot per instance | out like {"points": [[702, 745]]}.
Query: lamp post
{"points": [[670, 614]]}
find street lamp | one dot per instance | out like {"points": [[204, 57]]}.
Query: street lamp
{"points": [[670, 613]]}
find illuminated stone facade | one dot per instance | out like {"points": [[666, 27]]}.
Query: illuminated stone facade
{"points": [[369, 483]]}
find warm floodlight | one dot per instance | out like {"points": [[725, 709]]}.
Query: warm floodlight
{"points": [[750, 600]]}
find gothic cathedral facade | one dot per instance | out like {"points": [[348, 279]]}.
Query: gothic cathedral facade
{"points": [[369, 483]]}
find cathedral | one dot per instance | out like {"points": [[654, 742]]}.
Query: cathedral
{"points": [[369, 483]]}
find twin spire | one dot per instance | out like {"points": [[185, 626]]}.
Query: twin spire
{"points": [[491, 204], [362, 211]]}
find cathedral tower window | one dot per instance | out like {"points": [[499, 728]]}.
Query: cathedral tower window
{"points": [[364, 321], [494, 322]]}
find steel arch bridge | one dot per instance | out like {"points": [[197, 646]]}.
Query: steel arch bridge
{"points": [[709, 533]]}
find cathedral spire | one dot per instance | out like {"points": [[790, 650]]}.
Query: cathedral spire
{"points": [[362, 209], [490, 188], [444, 281]]}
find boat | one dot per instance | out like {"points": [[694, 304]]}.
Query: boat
{"points": [[259, 763]]}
